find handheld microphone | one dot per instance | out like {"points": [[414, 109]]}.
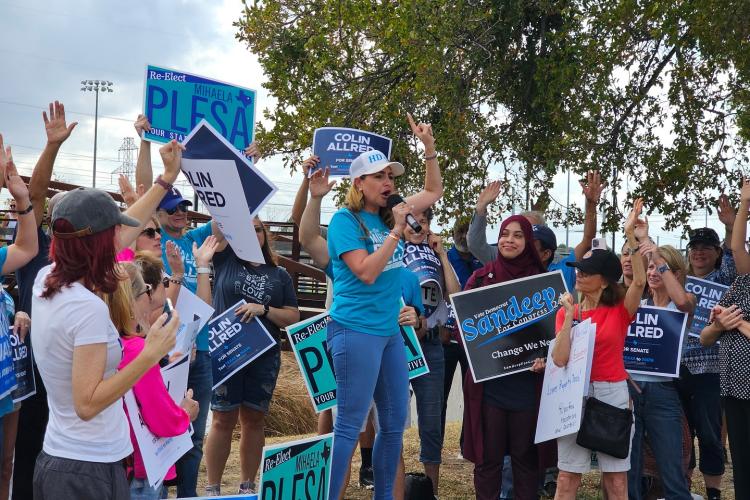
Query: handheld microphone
{"points": [[394, 200]]}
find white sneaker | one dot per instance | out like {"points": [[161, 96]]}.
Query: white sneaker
{"points": [[696, 496]]}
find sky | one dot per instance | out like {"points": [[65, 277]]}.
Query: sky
{"points": [[47, 48]]}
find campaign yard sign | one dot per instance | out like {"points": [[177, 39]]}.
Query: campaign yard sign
{"points": [[23, 364], [229, 185], [297, 470], [175, 102], [422, 261], [338, 147], [308, 341], [233, 344], [505, 326], [708, 294], [563, 389], [654, 342]]}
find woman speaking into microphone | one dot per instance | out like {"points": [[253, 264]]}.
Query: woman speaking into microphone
{"points": [[364, 242]]}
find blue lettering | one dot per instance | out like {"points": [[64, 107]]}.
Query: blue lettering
{"points": [[214, 107], [514, 313], [526, 306], [374, 157], [152, 104], [499, 318], [173, 124], [549, 297], [239, 127], [470, 333], [195, 115]]}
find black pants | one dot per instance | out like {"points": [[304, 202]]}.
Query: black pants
{"points": [[737, 412], [32, 424], [453, 354], [57, 478]]}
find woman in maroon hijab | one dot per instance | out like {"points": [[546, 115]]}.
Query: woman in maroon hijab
{"points": [[500, 414]]}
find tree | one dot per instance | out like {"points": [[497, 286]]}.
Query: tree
{"points": [[651, 90]]}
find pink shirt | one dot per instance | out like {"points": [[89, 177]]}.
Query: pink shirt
{"points": [[160, 413], [126, 255]]}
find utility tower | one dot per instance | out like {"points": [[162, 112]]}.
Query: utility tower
{"points": [[126, 157]]}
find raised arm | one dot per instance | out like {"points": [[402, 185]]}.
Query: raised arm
{"points": [[592, 191], [57, 132], [309, 228], [26, 245], [300, 199], [144, 208], [561, 351], [203, 257], [476, 236], [739, 233], [634, 225], [144, 172], [684, 301], [433, 181]]}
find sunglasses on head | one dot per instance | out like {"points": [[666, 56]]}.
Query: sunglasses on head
{"points": [[181, 207], [150, 233]]}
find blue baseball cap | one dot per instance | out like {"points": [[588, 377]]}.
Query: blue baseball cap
{"points": [[545, 236], [172, 199]]}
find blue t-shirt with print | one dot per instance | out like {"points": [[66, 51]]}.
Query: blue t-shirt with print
{"points": [[190, 281], [6, 313], [569, 273], [371, 309]]}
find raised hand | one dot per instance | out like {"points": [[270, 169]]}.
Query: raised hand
{"points": [[141, 125], [319, 184], [253, 152], [5, 156], [423, 131], [174, 259], [54, 124], [745, 191], [127, 191], [726, 211], [15, 184], [488, 196], [205, 253], [436, 243], [171, 156], [634, 220], [310, 164], [592, 188]]}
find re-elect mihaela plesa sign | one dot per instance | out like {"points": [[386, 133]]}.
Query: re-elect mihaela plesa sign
{"points": [[708, 294], [308, 341], [338, 147], [654, 342], [175, 102], [297, 469], [563, 389], [505, 326], [229, 185], [233, 344]]}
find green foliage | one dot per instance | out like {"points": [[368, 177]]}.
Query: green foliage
{"points": [[652, 91]]}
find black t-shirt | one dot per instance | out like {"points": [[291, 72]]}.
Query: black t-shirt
{"points": [[515, 392], [236, 279], [26, 275]]}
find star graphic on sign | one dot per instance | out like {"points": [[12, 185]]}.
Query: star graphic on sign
{"points": [[244, 98], [326, 452]]}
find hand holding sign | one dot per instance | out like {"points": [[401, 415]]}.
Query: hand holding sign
{"points": [[161, 337], [141, 125], [253, 151], [249, 311], [171, 156], [310, 165], [540, 364], [408, 316], [423, 131], [727, 318], [21, 325], [190, 405]]}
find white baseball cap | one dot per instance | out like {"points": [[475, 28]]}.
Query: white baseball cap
{"points": [[371, 162]]}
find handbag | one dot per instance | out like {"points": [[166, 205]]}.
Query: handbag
{"points": [[605, 428], [417, 486]]}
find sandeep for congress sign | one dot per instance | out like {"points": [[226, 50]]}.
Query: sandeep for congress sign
{"points": [[338, 147], [504, 327], [175, 102]]}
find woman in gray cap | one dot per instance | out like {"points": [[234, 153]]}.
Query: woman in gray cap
{"points": [[78, 349]]}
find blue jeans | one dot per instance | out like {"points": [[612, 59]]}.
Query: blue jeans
{"points": [[428, 390], [368, 366], [200, 381], [141, 490], [658, 415]]}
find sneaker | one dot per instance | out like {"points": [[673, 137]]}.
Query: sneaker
{"points": [[696, 496], [366, 478], [247, 488], [213, 490]]}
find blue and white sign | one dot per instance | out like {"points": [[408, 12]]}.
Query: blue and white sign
{"points": [[7, 371], [424, 262], [24, 367], [229, 185], [708, 294], [654, 342], [175, 102], [233, 344], [338, 147]]}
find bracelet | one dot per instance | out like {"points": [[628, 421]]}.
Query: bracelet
{"points": [[167, 186], [394, 236], [25, 210], [176, 281], [433, 156], [203, 270]]}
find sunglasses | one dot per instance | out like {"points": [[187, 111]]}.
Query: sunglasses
{"points": [[258, 229], [150, 233], [147, 291], [181, 207]]}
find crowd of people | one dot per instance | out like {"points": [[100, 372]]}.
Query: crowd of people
{"points": [[93, 281]]}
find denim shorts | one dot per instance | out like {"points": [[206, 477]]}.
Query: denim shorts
{"points": [[251, 387]]}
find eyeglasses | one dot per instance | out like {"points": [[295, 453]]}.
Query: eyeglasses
{"points": [[258, 229], [150, 233], [181, 207], [147, 291]]}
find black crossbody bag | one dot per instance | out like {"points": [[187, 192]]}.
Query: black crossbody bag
{"points": [[605, 428]]}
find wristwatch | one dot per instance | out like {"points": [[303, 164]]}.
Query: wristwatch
{"points": [[265, 311], [663, 268]]}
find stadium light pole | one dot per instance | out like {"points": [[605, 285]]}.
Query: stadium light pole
{"points": [[96, 86]]}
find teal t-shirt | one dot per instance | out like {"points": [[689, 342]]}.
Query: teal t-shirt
{"points": [[371, 309], [197, 235]]}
